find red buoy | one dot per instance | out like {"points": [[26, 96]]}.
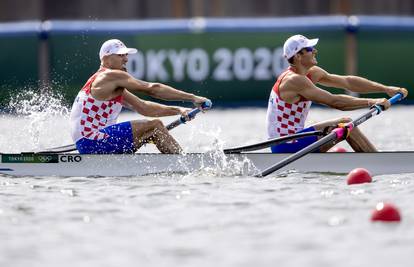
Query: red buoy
{"points": [[338, 149], [359, 176], [386, 212]]}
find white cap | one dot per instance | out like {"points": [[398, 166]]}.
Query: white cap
{"points": [[296, 43], [115, 46]]}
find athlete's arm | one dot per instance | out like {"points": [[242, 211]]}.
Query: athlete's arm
{"points": [[156, 90], [353, 83], [148, 108], [304, 87]]}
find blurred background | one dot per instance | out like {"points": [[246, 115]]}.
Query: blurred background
{"points": [[228, 50], [11, 10]]}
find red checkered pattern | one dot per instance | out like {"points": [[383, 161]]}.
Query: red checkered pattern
{"points": [[93, 115], [290, 118], [284, 118]]}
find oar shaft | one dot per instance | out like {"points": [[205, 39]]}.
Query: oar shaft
{"points": [[60, 149], [182, 119], [272, 142], [309, 149]]}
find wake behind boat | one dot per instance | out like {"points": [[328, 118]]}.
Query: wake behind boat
{"points": [[247, 164]]}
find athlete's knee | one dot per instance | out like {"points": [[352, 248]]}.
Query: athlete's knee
{"points": [[157, 124], [344, 119], [356, 131]]}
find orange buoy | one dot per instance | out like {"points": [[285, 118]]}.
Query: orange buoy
{"points": [[338, 149], [386, 212], [359, 176]]}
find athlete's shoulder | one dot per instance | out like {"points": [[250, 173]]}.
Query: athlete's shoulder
{"points": [[294, 78], [317, 73], [111, 74], [297, 83]]}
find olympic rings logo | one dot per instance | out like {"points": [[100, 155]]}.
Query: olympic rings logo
{"points": [[45, 159]]}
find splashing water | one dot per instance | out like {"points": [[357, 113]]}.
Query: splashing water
{"points": [[223, 164], [211, 137], [41, 109]]}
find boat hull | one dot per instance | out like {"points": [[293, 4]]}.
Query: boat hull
{"points": [[229, 164]]}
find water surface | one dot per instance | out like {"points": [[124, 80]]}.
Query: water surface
{"points": [[204, 218]]}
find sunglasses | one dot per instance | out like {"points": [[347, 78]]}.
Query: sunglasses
{"points": [[309, 49]]}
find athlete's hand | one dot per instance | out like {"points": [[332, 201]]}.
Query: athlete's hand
{"points": [[184, 113], [329, 125], [199, 101], [380, 102], [393, 90]]}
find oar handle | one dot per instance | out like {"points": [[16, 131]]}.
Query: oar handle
{"points": [[395, 98], [206, 105], [343, 131]]}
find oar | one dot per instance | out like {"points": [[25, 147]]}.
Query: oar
{"points": [[336, 134], [191, 115], [271, 142], [59, 149]]}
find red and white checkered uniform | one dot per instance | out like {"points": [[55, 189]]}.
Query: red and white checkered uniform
{"points": [[284, 118], [90, 115]]}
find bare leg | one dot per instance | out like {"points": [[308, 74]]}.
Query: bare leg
{"points": [[356, 139], [331, 124], [359, 142], [154, 131]]}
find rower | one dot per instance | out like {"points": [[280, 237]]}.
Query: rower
{"points": [[96, 108], [295, 90]]}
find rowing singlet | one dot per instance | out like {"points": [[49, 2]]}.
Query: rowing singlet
{"points": [[284, 118], [90, 115]]}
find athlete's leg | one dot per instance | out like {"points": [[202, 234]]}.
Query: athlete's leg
{"points": [[359, 142], [145, 131], [328, 126], [356, 139]]}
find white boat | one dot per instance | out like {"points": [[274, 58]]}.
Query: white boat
{"points": [[64, 165]]}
